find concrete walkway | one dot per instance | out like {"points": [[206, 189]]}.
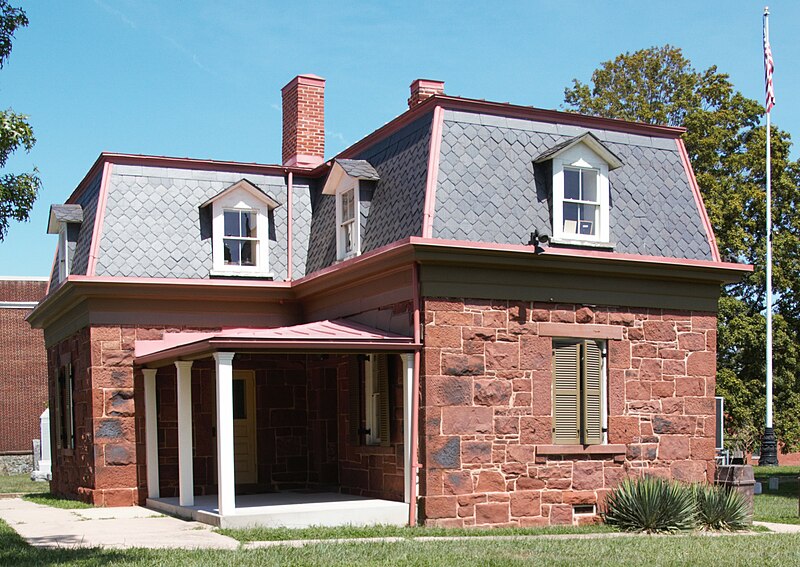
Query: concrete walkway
{"points": [[118, 528], [44, 526], [780, 528]]}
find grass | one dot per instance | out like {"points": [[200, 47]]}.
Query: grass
{"points": [[762, 550], [47, 499], [352, 532], [21, 483], [779, 506]]}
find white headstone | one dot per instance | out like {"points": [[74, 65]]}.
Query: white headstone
{"points": [[43, 471]]}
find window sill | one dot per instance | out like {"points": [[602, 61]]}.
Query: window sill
{"points": [[585, 243], [240, 274], [615, 450]]}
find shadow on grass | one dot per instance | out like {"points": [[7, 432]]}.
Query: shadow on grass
{"points": [[15, 551]]}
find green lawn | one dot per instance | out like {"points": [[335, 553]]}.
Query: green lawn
{"points": [[779, 506], [762, 550], [21, 483], [284, 534], [47, 499]]}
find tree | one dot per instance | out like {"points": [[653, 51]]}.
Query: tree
{"points": [[725, 142], [17, 191]]}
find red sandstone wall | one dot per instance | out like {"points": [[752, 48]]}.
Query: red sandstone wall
{"points": [[371, 470], [486, 409], [23, 368]]}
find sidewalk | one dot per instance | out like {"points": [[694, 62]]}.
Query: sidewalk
{"points": [[120, 528], [113, 528]]}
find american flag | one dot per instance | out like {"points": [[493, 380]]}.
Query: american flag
{"points": [[769, 67]]}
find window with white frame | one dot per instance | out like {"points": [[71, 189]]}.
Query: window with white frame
{"points": [[240, 226], [581, 191], [241, 237], [348, 229], [580, 197]]}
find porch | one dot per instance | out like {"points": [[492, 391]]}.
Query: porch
{"points": [[278, 427], [288, 509]]}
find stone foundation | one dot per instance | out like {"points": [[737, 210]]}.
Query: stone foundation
{"points": [[12, 464], [486, 429]]}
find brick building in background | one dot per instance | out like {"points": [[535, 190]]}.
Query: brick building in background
{"points": [[23, 373], [479, 314]]}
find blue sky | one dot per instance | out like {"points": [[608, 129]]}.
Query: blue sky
{"points": [[203, 78]]}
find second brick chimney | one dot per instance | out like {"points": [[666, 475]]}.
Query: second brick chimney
{"points": [[304, 121], [422, 89]]}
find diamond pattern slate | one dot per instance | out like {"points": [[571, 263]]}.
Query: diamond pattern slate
{"points": [[490, 191], [393, 211], [153, 226], [301, 224], [359, 169]]}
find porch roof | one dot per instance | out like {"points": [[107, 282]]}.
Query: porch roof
{"points": [[328, 335]]}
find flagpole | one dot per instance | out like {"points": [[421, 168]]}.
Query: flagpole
{"points": [[769, 444]]}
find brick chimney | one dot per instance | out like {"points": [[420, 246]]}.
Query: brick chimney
{"points": [[422, 89], [304, 121]]}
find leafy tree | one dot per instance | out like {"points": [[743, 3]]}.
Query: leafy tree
{"points": [[725, 142], [17, 191]]}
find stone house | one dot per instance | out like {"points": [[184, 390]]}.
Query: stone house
{"points": [[478, 314]]}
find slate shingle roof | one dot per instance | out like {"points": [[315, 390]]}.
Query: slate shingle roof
{"points": [[67, 213], [153, 225], [395, 202], [358, 169], [489, 189]]}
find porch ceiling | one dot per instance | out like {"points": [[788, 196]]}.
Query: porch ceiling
{"points": [[329, 335]]}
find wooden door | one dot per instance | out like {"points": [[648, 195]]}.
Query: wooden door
{"points": [[244, 427]]}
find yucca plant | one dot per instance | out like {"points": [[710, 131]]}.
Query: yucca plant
{"points": [[651, 505], [720, 508]]}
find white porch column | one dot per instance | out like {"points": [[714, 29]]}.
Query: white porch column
{"points": [[185, 465], [408, 382], [151, 432], [226, 490]]}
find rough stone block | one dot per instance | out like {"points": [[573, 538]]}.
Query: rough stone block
{"points": [[526, 503], [502, 356], [442, 337], [506, 425], [490, 481], [701, 364], [435, 507], [560, 514], [462, 365], [536, 430], [673, 447], [659, 331], [587, 475], [458, 482], [443, 452], [492, 392], [491, 513], [467, 420], [449, 391], [476, 452], [535, 352]]}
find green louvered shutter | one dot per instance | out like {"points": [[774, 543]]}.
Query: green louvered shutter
{"points": [[592, 394], [382, 383], [566, 388], [354, 399]]}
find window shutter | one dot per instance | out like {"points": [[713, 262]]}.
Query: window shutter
{"points": [[382, 379], [592, 402], [354, 399], [566, 387]]}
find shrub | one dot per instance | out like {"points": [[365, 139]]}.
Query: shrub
{"points": [[651, 505], [720, 508]]}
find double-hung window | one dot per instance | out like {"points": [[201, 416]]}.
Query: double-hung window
{"points": [[368, 391], [579, 386], [581, 190], [347, 223], [581, 205], [240, 217], [241, 237]]}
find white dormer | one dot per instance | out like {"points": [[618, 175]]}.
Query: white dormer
{"points": [[240, 229], [344, 182], [65, 221], [581, 191]]}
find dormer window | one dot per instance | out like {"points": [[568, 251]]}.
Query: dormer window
{"points": [[581, 191], [345, 182], [348, 236], [65, 220], [240, 225], [240, 244]]}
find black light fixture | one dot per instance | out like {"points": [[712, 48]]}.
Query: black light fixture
{"points": [[538, 238]]}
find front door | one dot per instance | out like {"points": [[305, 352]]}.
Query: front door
{"points": [[244, 427]]}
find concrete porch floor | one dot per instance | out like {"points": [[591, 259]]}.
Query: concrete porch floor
{"points": [[289, 509]]}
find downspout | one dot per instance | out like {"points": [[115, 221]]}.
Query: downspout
{"points": [[415, 466], [289, 227]]}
